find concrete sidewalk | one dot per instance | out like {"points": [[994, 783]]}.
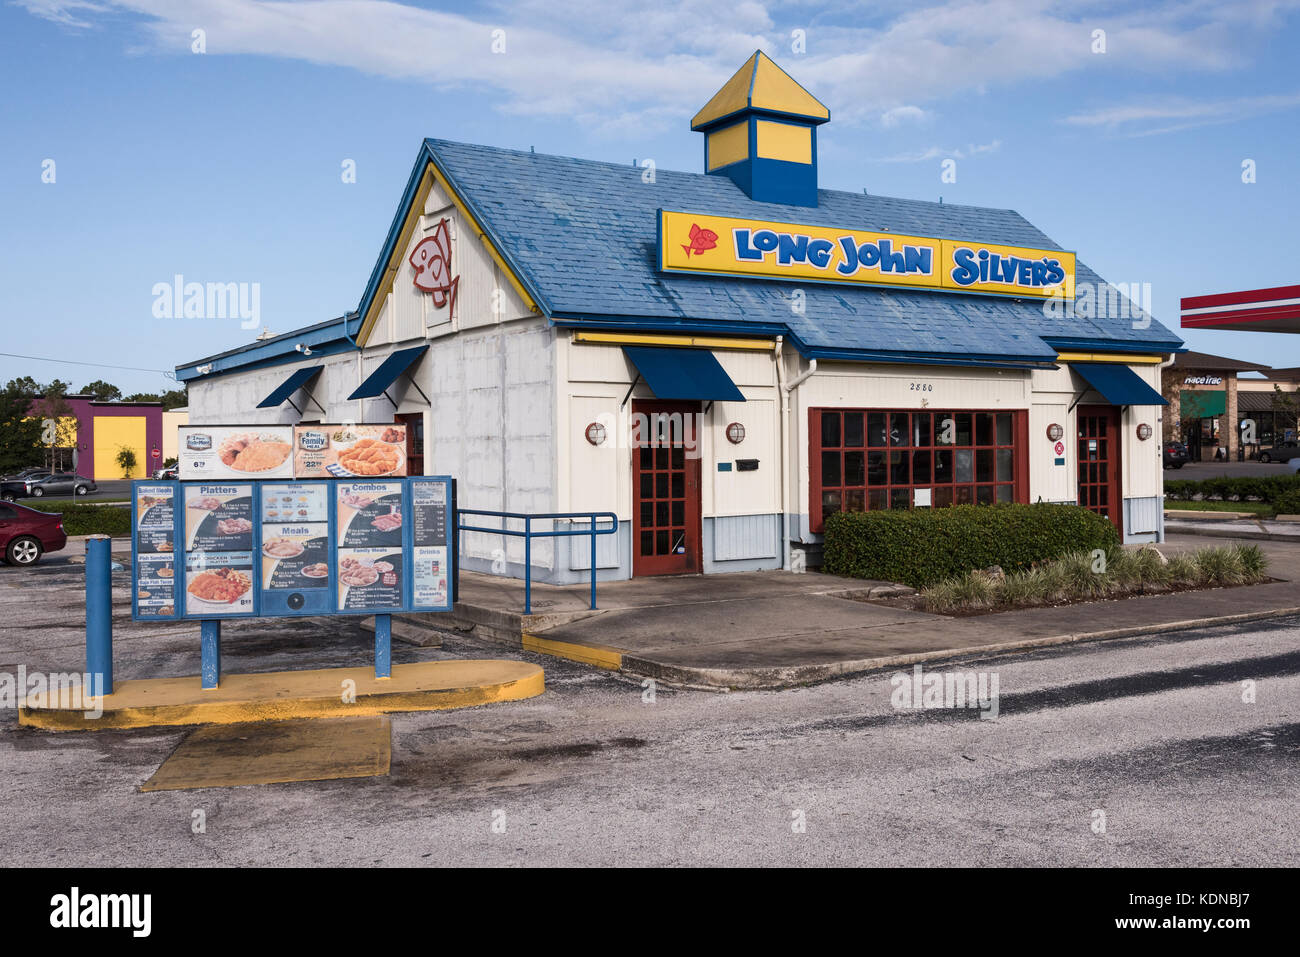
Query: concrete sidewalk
{"points": [[776, 629], [1230, 526]]}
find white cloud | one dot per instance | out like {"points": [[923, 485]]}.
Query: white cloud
{"points": [[651, 62], [1150, 119], [938, 152], [901, 114]]}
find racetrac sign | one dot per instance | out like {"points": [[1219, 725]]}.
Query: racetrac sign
{"points": [[722, 245]]}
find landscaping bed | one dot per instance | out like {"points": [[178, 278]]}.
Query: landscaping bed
{"points": [[1083, 577]]}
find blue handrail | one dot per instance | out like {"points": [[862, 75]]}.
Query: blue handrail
{"points": [[527, 534]]}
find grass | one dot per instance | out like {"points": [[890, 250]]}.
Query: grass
{"points": [[1081, 576], [1255, 508]]}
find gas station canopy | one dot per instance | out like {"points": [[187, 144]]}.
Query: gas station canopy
{"points": [[1255, 310]]}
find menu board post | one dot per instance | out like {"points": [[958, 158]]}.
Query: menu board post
{"points": [[210, 652], [383, 646]]}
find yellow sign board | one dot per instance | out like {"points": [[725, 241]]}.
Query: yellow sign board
{"points": [[724, 245]]}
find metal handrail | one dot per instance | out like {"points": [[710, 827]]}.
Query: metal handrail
{"points": [[527, 534]]}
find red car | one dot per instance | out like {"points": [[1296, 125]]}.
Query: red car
{"points": [[26, 534]]}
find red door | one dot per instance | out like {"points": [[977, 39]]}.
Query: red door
{"points": [[665, 488], [1098, 457], [414, 422]]}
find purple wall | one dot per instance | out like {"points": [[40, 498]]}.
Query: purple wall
{"points": [[86, 409]]}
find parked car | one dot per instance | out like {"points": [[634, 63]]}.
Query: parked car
{"points": [[61, 483], [1176, 455], [169, 472], [12, 488], [32, 473], [1280, 452], [26, 534]]}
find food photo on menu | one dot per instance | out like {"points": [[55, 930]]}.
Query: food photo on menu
{"points": [[345, 451], [219, 583], [155, 515], [369, 578], [219, 518], [370, 514], [295, 556], [225, 452]]}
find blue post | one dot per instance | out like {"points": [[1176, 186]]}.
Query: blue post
{"points": [[99, 613], [593, 561], [528, 565], [383, 646], [210, 643]]}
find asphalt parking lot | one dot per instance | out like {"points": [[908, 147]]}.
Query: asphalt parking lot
{"points": [[1140, 751]]}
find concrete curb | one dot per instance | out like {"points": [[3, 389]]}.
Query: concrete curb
{"points": [[1177, 528], [775, 679]]}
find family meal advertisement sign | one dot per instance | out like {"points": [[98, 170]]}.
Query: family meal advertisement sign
{"points": [[725, 245], [213, 452]]}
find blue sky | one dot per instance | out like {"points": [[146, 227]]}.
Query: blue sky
{"points": [[225, 166]]}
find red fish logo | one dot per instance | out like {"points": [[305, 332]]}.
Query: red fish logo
{"points": [[701, 241], [432, 262]]}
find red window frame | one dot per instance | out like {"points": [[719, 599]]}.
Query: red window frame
{"points": [[901, 472]]}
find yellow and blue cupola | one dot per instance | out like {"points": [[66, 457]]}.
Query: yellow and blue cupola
{"points": [[760, 131]]}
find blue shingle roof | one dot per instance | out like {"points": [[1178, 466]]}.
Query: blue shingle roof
{"points": [[582, 236]]}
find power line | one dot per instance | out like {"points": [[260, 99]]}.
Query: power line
{"points": [[97, 365]]}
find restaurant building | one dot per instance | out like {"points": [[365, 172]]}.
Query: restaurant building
{"points": [[720, 358]]}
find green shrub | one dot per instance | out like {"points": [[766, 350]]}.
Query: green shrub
{"points": [[1220, 566], [81, 519], [1263, 488], [1253, 562], [923, 546], [1288, 503]]}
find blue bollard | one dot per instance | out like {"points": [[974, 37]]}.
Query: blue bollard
{"points": [[99, 613], [210, 652], [383, 646]]}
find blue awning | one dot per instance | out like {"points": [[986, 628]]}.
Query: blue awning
{"points": [[684, 374], [289, 386], [378, 381], [1118, 384]]}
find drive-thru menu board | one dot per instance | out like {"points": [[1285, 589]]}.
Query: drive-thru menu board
{"points": [[153, 569], [430, 526], [222, 549], [371, 523], [218, 549], [295, 550]]}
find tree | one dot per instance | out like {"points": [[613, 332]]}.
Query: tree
{"points": [[103, 391], [126, 461], [59, 425], [20, 432], [174, 399]]}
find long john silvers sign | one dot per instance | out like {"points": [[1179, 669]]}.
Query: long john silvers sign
{"points": [[724, 245]]}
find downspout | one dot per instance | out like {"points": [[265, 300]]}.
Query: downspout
{"points": [[786, 389], [784, 469]]}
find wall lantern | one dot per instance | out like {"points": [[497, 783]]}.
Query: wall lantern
{"points": [[595, 433], [735, 433], [1144, 431], [1055, 433]]}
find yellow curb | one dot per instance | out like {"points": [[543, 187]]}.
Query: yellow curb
{"points": [[598, 655], [281, 695]]}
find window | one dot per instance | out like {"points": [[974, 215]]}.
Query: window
{"points": [[866, 459]]}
